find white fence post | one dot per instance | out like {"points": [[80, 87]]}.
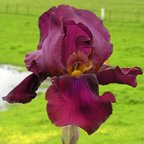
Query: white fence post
{"points": [[102, 13]]}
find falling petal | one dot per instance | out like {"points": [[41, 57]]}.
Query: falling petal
{"points": [[108, 75], [26, 90], [75, 101]]}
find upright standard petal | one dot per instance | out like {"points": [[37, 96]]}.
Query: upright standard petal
{"points": [[102, 48], [35, 62], [64, 30], [44, 22], [52, 47], [75, 101], [76, 39], [26, 90], [107, 75], [47, 59]]}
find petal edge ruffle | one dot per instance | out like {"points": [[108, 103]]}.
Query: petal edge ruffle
{"points": [[108, 75]]}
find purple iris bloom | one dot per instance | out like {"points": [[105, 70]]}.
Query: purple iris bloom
{"points": [[73, 48]]}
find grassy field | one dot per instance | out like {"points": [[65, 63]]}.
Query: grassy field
{"points": [[28, 124], [115, 10]]}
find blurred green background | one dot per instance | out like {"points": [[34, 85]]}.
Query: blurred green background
{"points": [[19, 34]]}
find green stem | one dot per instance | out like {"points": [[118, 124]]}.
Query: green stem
{"points": [[70, 134]]}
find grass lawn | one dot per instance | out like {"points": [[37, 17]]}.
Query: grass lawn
{"points": [[29, 124]]}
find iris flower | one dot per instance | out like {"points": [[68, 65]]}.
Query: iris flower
{"points": [[73, 48]]}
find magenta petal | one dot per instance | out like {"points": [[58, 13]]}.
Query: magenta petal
{"points": [[101, 38], [65, 30], [35, 62], [108, 97], [127, 76], [26, 90], [44, 22], [52, 47], [74, 101], [74, 41]]}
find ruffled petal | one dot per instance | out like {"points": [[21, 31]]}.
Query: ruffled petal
{"points": [[107, 75], [76, 39], [52, 46], [35, 62], [75, 101], [65, 30], [44, 22], [26, 90], [102, 48]]}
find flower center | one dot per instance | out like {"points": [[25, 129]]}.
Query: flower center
{"points": [[78, 63], [79, 68], [76, 71]]}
